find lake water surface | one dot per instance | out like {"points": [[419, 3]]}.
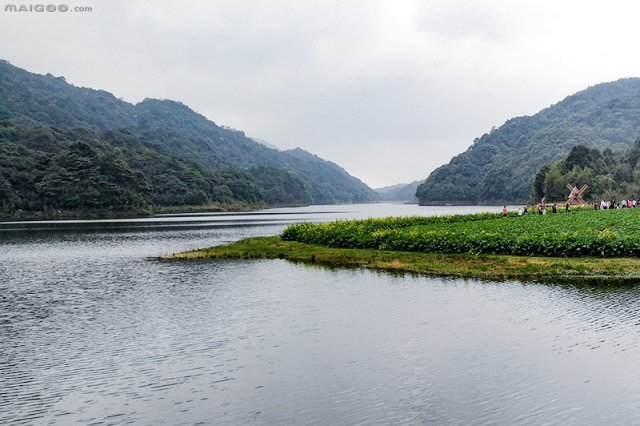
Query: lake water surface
{"points": [[93, 332]]}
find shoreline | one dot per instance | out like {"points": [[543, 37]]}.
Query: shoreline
{"points": [[482, 267], [28, 216], [97, 215]]}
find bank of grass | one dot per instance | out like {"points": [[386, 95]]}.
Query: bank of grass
{"points": [[585, 245], [596, 233], [486, 267]]}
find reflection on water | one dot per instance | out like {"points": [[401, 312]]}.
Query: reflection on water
{"points": [[93, 332]]}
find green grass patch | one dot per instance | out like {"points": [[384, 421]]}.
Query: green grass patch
{"points": [[584, 245], [487, 267], [593, 233]]}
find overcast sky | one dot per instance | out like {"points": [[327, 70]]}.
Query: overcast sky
{"points": [[389, 90]]}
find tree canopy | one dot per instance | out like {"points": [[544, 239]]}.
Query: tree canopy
{"points": [[610, 175]]}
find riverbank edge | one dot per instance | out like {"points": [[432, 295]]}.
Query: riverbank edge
{"points": [[483, 267], [134, 214]]}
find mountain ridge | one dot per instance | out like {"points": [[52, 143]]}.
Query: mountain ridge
{"points": [[170, 132], [405, 192], [499, 166]]}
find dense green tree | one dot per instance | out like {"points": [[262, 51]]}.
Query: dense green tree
{"points": [[538, 182], [45, 169], [554, 184], [609, 175], [581, 156], [603, 185], [278, 187]]}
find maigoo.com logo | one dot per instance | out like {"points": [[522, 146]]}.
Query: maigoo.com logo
{"points": [[21, 8]]}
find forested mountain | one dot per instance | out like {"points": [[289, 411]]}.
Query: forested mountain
{"points": [[325, 182], [47, 169], [499, 166], [55, 137], [405, 192]]}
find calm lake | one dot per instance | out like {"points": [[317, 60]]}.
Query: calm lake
{"points": [[93, 332]]}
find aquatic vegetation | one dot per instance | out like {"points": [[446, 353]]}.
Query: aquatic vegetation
{"points": [[585, 270], [609, 233]]}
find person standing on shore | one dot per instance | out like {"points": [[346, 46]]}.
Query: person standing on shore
{"points": [[504, 211], [554, 208], [566, 208]]}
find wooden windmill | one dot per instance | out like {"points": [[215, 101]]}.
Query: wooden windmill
{"points": [[575, 197]]}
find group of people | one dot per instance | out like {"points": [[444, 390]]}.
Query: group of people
{"points": [[602, 205], [611, 204], [542, 209]]}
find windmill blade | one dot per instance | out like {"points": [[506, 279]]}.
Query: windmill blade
{"points": [[575, 194], [583, 189]]}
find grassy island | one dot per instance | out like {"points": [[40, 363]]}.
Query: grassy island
{"points": [[580, 245]]}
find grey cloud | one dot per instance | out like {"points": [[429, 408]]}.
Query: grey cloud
{"points": [[463, 19]]}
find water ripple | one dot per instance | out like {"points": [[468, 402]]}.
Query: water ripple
{"points": [[92, 333]]}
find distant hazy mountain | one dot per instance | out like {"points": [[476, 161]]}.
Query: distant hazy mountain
{"points": [[265, 143], [405, 192], [499, 166], [158, 152], [209, 144]]}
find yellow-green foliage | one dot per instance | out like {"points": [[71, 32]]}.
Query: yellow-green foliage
{"points": [[609, 233]]}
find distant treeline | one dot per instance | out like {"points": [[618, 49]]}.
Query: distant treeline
{"points": [[611, 175]]}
